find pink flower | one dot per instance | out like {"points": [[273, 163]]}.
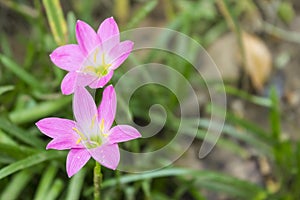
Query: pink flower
{"points": [[91, 134], [92, 62]]}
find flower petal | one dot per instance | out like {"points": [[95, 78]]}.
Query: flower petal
{"points": [[108, 106], [68, 83], [84, 107], [86, 37], [68, 57], [107, 155], [119, 53], [108, 33], [76, 159], [122, 133], [56, 127], [102, 81], [64, 142]]}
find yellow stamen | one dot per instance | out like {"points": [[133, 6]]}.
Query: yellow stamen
{"points": [[100, 70], [79, 133], [78, 141], [93, 121], [103, 61], [95, 55], [89, 69], [102, 125]]}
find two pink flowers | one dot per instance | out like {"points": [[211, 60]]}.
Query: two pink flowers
{"points": [[90, 63]]}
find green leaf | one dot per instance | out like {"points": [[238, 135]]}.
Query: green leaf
{"points": [[20, 72], [16, 185], [56, 20], [39, 111], [212, 180], [275, 115], [19, 133], [6, 88], [16, 151], [75, 185], [242, 135], [55, 190], [45, 182], [244, 95], [29, 161], [247, 125], [142, 13]]}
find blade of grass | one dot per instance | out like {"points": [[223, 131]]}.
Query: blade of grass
{"points": [[21, 8], [55, 190], [244, 95], [275, 115], [19, 133], [56, 20], [238, 187], [45, 182], [20, 72], [29, 161], [16, 185], [247, 125], [16, 151], [6, 88], [241, 135], [141, 13], [75, 185], [39, 111]]}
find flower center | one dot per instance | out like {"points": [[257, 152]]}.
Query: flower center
{"points": [[96, 137], [96, 64]]}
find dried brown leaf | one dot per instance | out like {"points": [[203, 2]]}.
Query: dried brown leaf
{"points": [[258, 60]]}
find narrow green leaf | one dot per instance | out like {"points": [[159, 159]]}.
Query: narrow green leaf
{"points": [[71, 20], [45, 182], [244, 95], [56, 20], [21, 8], [275, 115], [242, 135], [39, 111], [19, 133], [4, 138], [20, 72], [55, 190], [240, 188], [6, 88], [16, 185], [16, 151], [75, 186], [29, 161], [249, 126], [142, 13]]}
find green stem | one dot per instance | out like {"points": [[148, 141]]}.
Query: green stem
{"points": [[97, 181]]}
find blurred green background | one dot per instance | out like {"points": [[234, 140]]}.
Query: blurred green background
{"points": [[255, 44]]}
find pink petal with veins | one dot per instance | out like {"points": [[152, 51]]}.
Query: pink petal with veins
{"points": [[76, 159], [86, 37], [64, 142], [120, 53], [84, 108], [108, 106], [55, 127], [68, 57], [122, 133], [68, 83], [107, 155], [108, 33]]}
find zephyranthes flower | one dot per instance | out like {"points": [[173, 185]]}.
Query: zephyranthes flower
{"points": [[92, 62], [91, 134]]}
